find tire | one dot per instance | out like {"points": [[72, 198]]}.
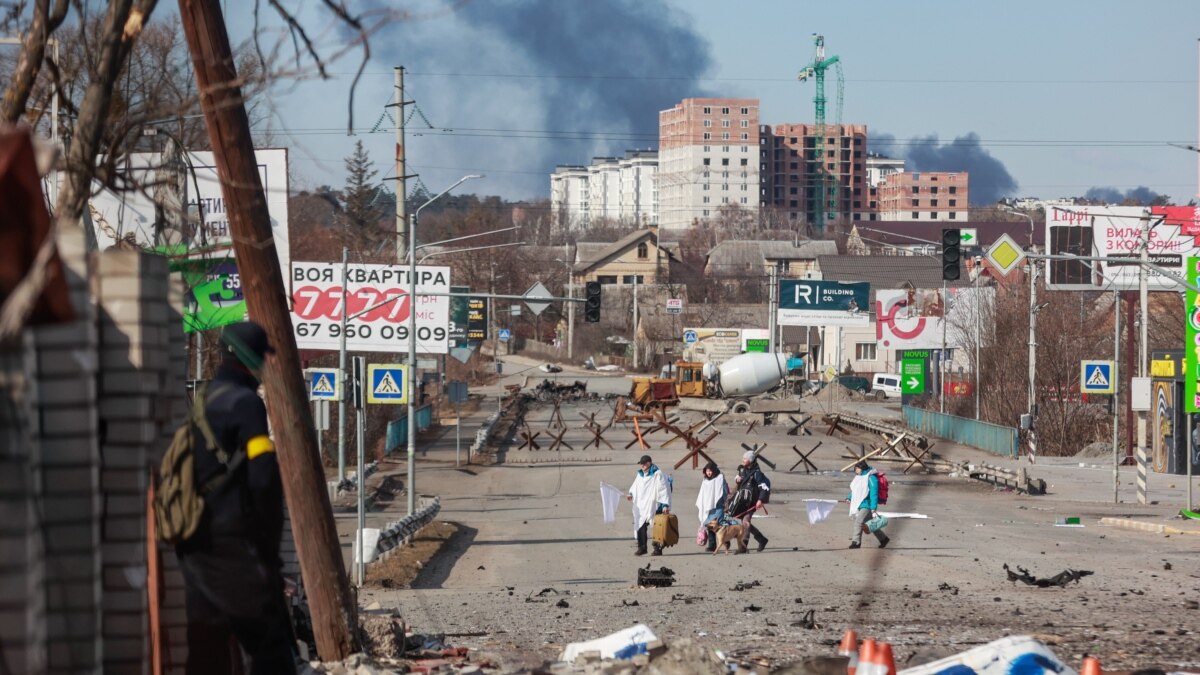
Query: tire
{"points": [[879, 395], [741, 407]]}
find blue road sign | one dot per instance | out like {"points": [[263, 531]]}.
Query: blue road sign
{"points": [[386, 383], [324, 384], [1096, 377], [690, 337], [505, 335]]}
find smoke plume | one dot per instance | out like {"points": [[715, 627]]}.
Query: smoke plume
{"points": [[1141, 195], [529, 84], [989, 180]]}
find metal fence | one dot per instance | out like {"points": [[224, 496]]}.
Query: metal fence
{"points": [[397, 429], [393, 534], [984, 435]]}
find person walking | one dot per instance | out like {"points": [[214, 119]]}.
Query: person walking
{"points": [[752, 491], [864, 499], [231, 565], [651, 495], [710, 503]]}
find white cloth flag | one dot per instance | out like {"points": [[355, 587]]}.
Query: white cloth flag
{"points": [[610, 498], [819, 509]]}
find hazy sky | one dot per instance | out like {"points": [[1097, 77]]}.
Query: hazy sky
{"points": [[1047, 98]]}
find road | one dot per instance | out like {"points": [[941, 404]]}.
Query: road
{"points": [[534, 523]]}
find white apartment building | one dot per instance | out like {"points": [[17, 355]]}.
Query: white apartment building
{"points": [[610, 188], [708, 158], [880, 167]]}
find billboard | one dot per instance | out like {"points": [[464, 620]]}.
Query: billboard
{"points": [[815, 302], [1115, 231], [318, 300], [915, 318], [756, 340], [712, 345]]}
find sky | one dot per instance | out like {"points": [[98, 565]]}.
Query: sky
{"points": [[1043, 99]]}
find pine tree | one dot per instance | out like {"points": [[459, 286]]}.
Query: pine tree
{"points": [[361, 210]]}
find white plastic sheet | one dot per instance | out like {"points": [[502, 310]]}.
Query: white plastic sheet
{"points": [[623, 644]]}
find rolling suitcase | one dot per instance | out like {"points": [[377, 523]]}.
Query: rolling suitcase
{"points": [[664, 529]]}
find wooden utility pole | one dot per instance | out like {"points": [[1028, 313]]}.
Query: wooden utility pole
{"points": [[333, 608]]}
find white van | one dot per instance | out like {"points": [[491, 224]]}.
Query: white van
{"points": [[885, 385]]}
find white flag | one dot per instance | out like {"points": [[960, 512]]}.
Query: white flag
{"points": [[819, 509], [610, 498]]}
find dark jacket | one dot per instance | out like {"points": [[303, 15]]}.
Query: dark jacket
{"points": [[250, 503], [752, 486]]}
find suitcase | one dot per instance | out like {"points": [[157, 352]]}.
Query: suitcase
{"points": [[664, 529]]}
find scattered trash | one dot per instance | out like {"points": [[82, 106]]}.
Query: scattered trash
{"points": [[627, 603], [1167, 566], [547, 591], [953, 590], [914, 516], [1069, 521], [746, 585], [661, 578], [563, 604], [481, 567], [1061, 579], [1021, 653], [623, 644], [752, 608], [808, 621], [1189, 514]]}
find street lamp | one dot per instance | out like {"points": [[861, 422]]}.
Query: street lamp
{"points": [[1033, 309], [412, 340]]}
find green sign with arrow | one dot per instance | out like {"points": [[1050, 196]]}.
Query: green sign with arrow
{"points": [[912, 376], [969, 236]]}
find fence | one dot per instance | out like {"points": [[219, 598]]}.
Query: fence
{"points": [[397, 429], [984, 435]]}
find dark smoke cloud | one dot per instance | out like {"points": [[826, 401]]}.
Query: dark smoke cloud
{"points": [[603, 69], [1141, 194], [990, 181]]}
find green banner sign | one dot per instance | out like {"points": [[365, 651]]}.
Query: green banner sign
{"points": [[214, 296], [1192, 350], [912, 376]]}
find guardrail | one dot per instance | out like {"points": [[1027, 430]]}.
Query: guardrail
{"points": [[391, 536], [995, 438], [397, 429]]}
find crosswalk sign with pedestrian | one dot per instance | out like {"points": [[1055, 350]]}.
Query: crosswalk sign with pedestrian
{"points": [[1096, 377], [386, 383], [324, 384]]}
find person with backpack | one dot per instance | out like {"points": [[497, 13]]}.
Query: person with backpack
{"points": [[868, 490], [651, 495], [710, 503], [230, 562], [753, 490]]}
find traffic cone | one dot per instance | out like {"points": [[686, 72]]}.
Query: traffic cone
{"points": [[849, 649], [884, 660], [866, 656], [1091, 666]]}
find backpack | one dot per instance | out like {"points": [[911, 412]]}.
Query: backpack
{"points": [[883, 486], [178, 502]]}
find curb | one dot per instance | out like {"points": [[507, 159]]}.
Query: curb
{"points": [[1141, 526]]}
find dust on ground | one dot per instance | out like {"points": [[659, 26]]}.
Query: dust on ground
{"points": [[402, 566]]}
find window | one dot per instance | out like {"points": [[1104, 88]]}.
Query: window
{"points": [[724, 200], [745, 148], [707, 110], [724, 111], [706, 174], [743, 186], [933, 189], [643, 251], [953, 202], [864, 351], [708, 148], [725, 123], [707, 161], [744, 200], [725, 186], [725, 135], [745, 111], [793, 191], [745, 123], [706, 200], [725, 174], [916, 190], [706, 213], [953, 190], [725, 148], [706, 186], [916, 215], [724, 161], [745, 137], [708, 123], [707, 136], [607, 279], [744, 162], [953, 215], [916, 202], [934, 179], [630, 279], [933, 203]]}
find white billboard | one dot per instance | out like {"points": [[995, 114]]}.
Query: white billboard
{"points": [[131, 214], [318, 301], [918, 318], [1114, 231]]}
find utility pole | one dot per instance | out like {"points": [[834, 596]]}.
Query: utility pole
{"points": [[401, 174], [1032, 397], [341, 450], [570, 313], [943, 365], [1143, 351], [1116, 411], [334, 623], [635, 322], [771, 305]]}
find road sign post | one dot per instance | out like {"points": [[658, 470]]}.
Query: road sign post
{"points": [[1096, 377], [912, 376], [385, 383], [324, 384]]}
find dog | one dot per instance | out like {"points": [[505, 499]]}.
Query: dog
{"points": [[727, 534]]}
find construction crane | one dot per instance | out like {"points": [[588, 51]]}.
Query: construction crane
{"points": [[826, 185]]}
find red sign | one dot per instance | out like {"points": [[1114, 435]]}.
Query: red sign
{"points": [[1183, 216], [958, 388]]}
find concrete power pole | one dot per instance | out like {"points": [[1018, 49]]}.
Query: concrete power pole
{"points": [[1033, 310], [401, 173], [333, 610], [772, 303], [1143, 360]]}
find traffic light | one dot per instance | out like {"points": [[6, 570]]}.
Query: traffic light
{"points": [[951, 254], [591, 304]]}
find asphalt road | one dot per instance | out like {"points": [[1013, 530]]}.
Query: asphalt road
{"points": [[533, 536]]}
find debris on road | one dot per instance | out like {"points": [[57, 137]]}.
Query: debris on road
{"points": [[953, 590], [808, 621], [1061, 579], [661, 578], [623, 644], [746, 585]]}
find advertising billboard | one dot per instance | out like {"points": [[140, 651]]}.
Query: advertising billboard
{"points": [[1115, 232], [319, 298], [712, 345], [815, 302], [924, 318]]}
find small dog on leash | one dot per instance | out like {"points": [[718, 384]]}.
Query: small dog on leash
{"points": [[727, 534]]}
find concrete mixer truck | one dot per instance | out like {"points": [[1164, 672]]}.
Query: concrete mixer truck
{"points": [[735, 381]]}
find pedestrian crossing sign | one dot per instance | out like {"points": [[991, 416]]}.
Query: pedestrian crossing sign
{"points": [[387, 383], [1096, 377], [324, 384]]}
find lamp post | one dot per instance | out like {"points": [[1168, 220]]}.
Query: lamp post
{"points": [[1033, 308], [412, 340]]}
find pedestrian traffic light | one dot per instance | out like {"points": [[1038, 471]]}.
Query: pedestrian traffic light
{"points": [[591, 304], [951, 254]]}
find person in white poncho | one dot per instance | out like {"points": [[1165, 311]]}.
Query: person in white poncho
{"points": [[650, 494], [864, 499], [710, 504]]}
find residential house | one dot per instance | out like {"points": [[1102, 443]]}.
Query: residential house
{"points": [[735, 263], [635, 258]]}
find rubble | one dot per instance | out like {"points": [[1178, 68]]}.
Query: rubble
{"points": [[661, 578], [1061, 579]]}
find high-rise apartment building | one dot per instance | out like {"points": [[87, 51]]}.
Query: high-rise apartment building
{"points": [[924, 195], [790, 164], [610, 188], [708, 152]]}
